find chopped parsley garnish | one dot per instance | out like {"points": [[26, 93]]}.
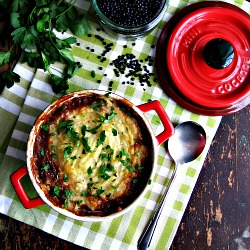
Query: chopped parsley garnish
{"points": [[108, 117], [63, 125], [90, 171], [83, 130], [114, 132], [84, 193], [45, 127], [68, 193], [65, 178], [46, 167], [128, 164], [86, 145], [89, 185], [135, 181], [99, 191], [94, 130], [79, 202], [66, 204], [67, 152], [102, 138], [102, 171], [98, 104], [56, 191], [42, 152], [149, 182]]}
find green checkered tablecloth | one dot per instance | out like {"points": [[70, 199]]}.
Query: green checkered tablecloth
{"points": [[20, 105]]}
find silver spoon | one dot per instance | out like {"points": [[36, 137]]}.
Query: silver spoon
{"points": [[184, 146]]}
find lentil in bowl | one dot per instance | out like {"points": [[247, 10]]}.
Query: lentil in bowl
{"points": [[129, 19]]}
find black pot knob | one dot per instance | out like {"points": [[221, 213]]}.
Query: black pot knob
{"points": [[218, 53]]}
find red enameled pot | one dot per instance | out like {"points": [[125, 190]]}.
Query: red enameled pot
{"points": [[140, 110]]}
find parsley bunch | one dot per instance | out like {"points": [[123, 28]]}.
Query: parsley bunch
{"points": [[32, 26]]}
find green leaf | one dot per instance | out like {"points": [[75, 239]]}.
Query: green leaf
{"points": [[43, 23], [81, 26], [8, 78], [67, 54], [73, 69], [70, 40], [62, 23], [59, 85], [4, 57], [18, 35], [14, 19]]}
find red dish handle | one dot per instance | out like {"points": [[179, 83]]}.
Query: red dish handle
{"points": [[15, 179], [168, 126]]}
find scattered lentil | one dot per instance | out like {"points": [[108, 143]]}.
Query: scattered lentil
{"points": [[126, 65]]}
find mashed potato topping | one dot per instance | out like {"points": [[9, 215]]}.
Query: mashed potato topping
{"points": [[96, 153]]}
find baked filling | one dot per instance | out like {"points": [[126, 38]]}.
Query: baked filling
{"points": [[92, 155]]}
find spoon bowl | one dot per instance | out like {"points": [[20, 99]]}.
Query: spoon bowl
{"points": [[184, 146], [187, 143]]}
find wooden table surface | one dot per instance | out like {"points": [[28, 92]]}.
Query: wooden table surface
{"points": [[217, 215]]}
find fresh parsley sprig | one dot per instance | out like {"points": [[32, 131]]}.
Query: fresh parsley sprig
{"points": [[32, 26]]}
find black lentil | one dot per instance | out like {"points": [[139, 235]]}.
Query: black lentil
{"points": [[130, 13], [126, 65]]}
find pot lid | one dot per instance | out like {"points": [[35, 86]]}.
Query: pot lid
{"points": [[207, 58]]}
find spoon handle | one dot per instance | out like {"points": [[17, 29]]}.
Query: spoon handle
{"points": [[146, 237]]}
